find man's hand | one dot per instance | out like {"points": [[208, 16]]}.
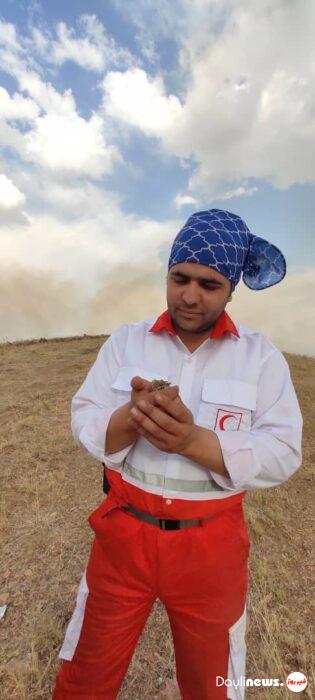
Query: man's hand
{"points": [[169, 425], [164, 421], [140, 390], [119, 432]]}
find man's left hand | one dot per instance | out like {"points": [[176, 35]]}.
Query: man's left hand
{"points": [[169, 424]]}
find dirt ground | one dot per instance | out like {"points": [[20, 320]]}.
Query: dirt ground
{"points": [[49, 486]]}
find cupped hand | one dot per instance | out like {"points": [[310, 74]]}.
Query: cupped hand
{"points": [[165, 422], [140, 390]]}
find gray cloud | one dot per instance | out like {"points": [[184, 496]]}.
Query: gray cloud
{"points": [[35, 304], [38, 304]]}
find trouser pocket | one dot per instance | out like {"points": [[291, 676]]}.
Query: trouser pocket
{"points": [[98, 519]]}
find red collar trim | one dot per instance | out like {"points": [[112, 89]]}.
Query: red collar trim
{"points": [[223, 324]]}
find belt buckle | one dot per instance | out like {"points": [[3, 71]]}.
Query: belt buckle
{"points": [[162, 523]]}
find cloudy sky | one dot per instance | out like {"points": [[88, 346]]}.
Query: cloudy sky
{"points": [[118, 119]]}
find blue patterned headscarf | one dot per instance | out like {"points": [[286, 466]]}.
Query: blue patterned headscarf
{"points": [[221, 240]]}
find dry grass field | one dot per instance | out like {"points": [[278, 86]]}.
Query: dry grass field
{"points": [[49, 486]]}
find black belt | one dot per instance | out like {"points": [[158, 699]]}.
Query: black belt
{"points": [[162, 523]]}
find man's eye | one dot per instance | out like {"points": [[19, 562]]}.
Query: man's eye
{"points": [[205, 286]]}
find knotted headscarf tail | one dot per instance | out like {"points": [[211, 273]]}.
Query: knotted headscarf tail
{"points": [[221, 240]]}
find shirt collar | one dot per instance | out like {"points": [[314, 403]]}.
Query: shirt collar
{"points": [[223, 324]]}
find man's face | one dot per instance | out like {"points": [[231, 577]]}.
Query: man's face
{"points": [[197, 289]]}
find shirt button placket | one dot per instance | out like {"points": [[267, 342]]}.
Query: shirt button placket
{"points": [[185, 382], [187, 378]]}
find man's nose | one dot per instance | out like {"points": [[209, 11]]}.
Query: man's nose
{"points": [[191, 294]]}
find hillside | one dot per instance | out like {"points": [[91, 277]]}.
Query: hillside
{"points": [[50, 486]]}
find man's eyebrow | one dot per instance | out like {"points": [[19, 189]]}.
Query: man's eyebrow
{"points": [[201, 279]]}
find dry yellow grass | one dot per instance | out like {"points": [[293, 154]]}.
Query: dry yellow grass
{"points": [[50, 486]]}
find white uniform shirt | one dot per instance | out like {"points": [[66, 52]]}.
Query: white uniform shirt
{"points": [[237, 384]]}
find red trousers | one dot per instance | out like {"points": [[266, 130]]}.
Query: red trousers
{"points": [[199, 573]]}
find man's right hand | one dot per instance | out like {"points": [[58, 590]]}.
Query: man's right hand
{"points": [[120, 432], [140, 390]]}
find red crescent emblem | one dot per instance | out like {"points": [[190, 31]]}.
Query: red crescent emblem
{"points": [[223, 419]]}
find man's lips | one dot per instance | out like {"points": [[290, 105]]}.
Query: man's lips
{"points": [[189, 313]]}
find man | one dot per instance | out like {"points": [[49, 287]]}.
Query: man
{"points": [[179, 462]]}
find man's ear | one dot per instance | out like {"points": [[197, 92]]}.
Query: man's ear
{"points": [[231, 292]]}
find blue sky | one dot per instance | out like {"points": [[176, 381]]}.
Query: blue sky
{"points": [[118, 119]]}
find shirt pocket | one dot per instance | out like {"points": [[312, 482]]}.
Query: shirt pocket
{"points": [[227, 404], [122, 386]]}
